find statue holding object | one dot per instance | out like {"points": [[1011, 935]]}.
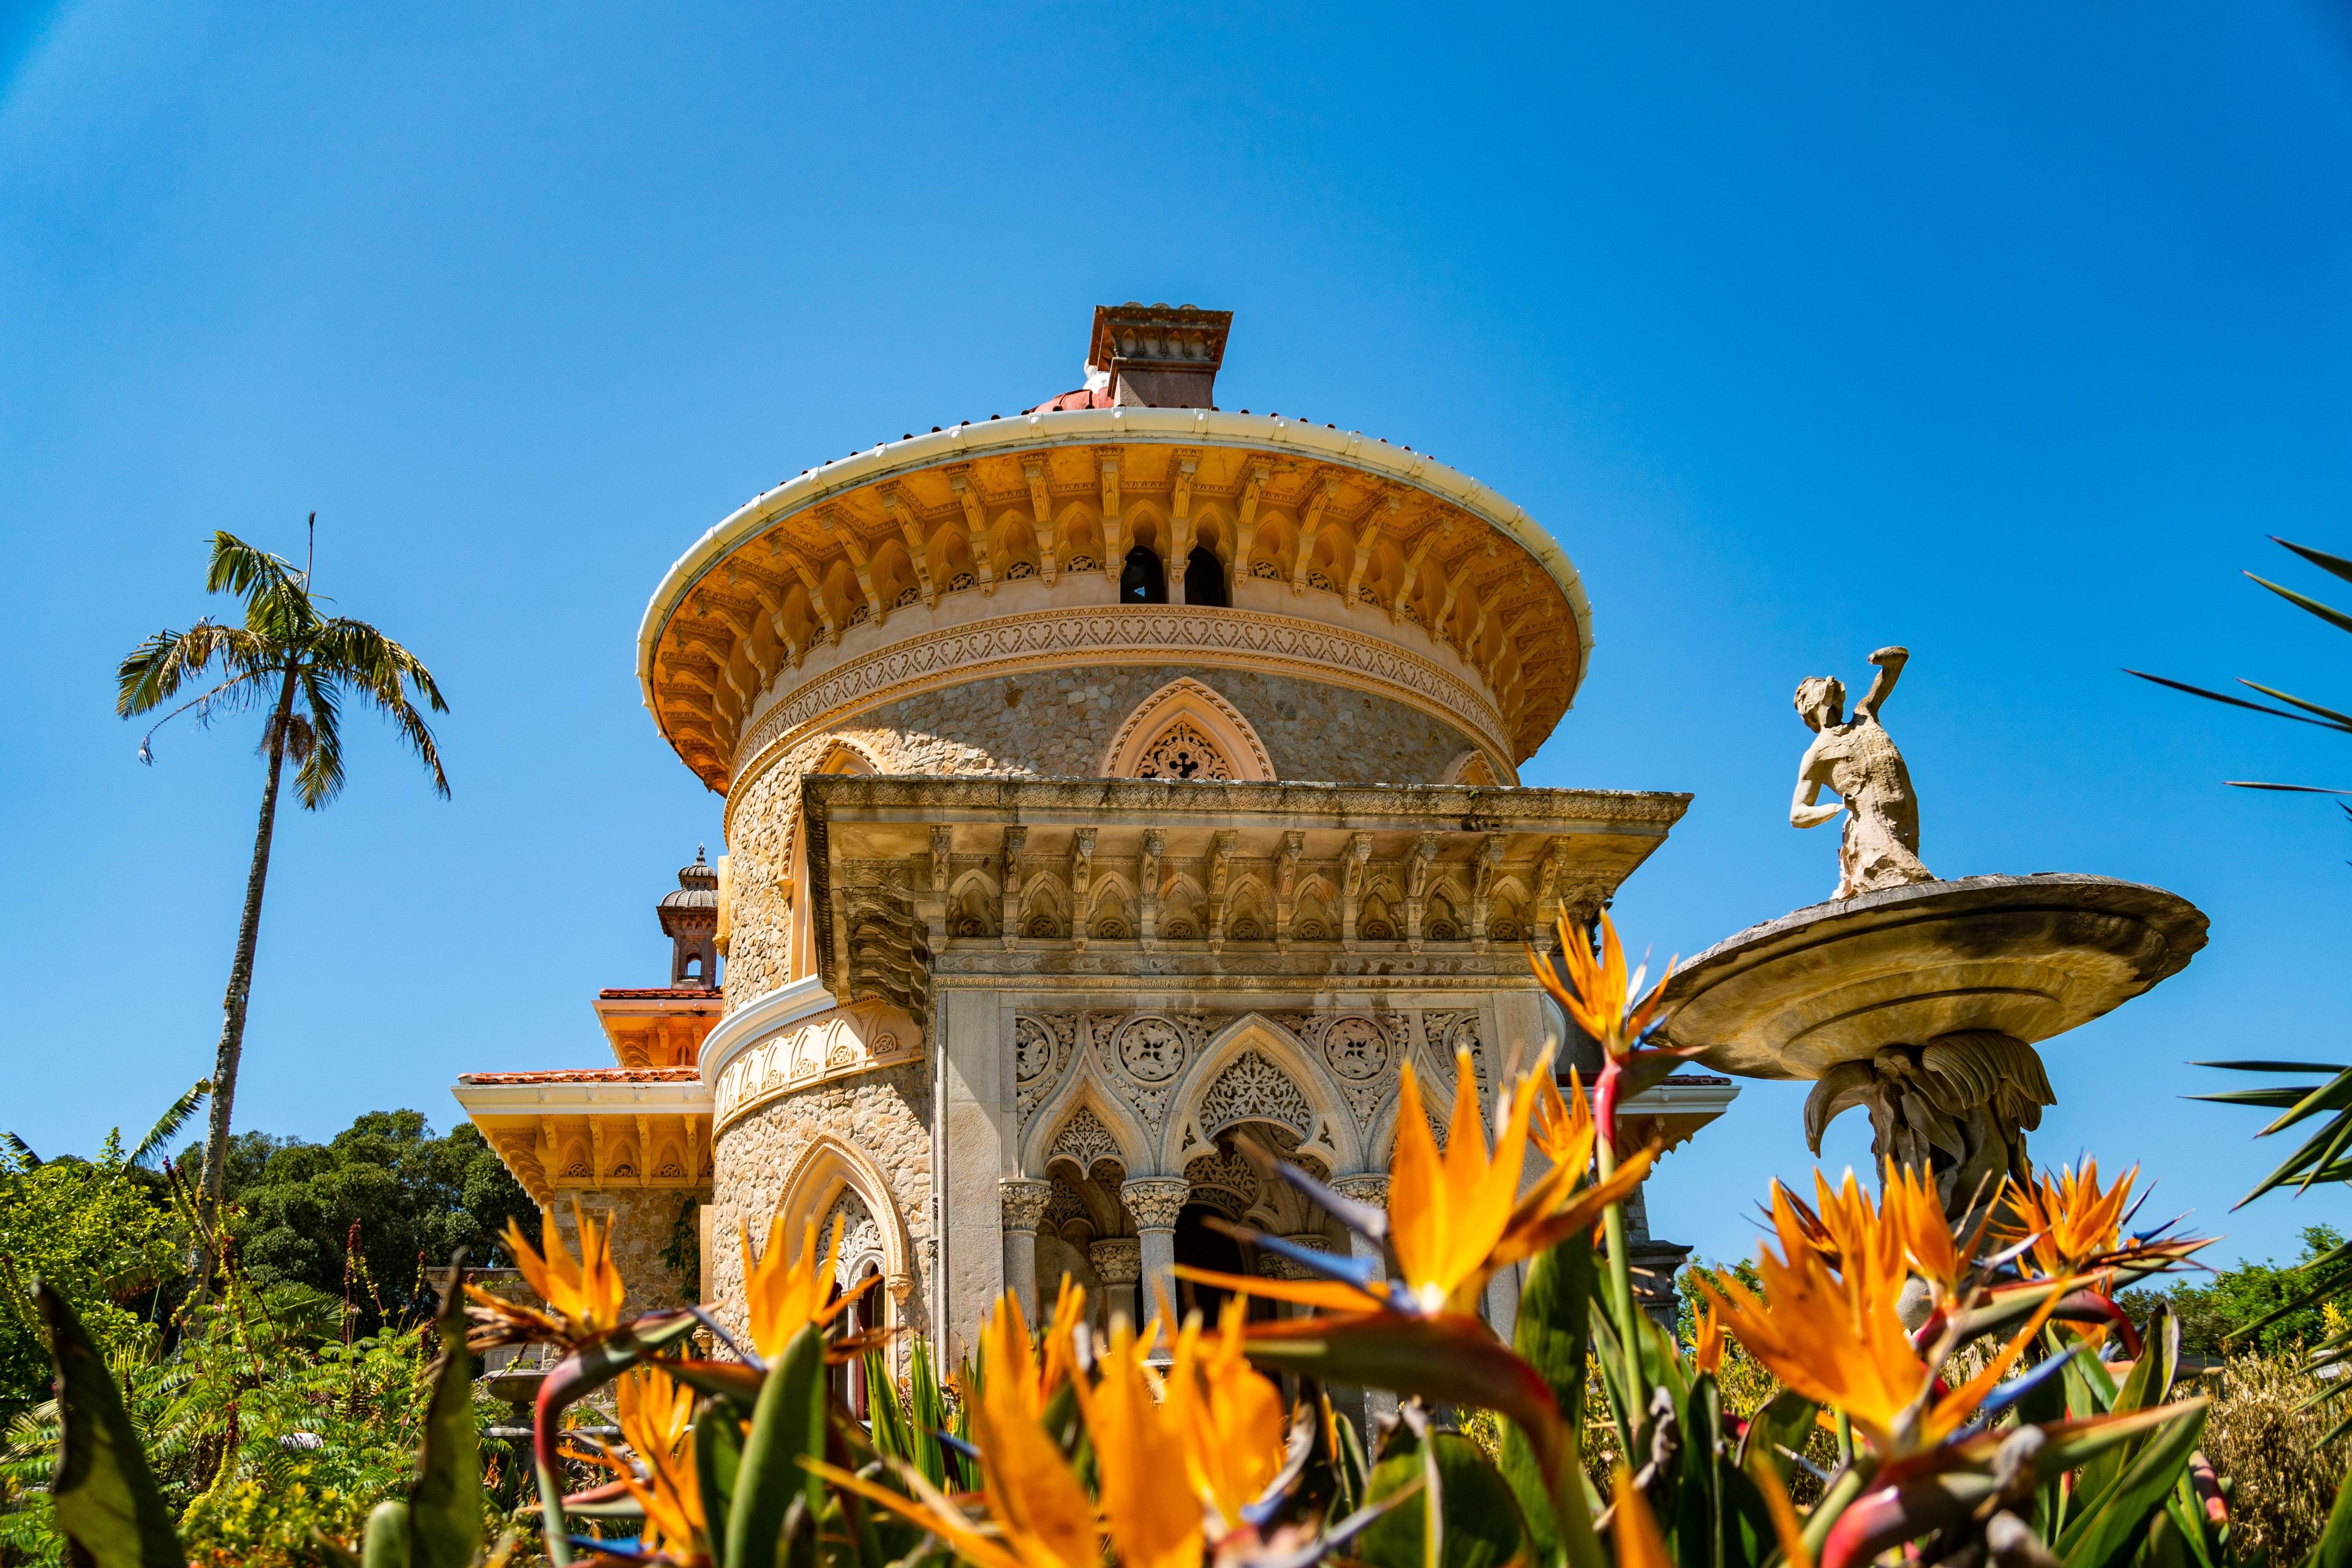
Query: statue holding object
{"points": [[1856, 760]]}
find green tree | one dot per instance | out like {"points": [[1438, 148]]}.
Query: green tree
{"points": [[412, 1195], [102, 1232], [2232, 1312], [287, 652]]}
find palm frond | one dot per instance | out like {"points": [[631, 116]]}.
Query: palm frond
{"points": [[21, 1150], [157, 669], [250, 573], [2232, 701], [2328, 613], [320, 778], [2285, 788], [2319, 558], [356, 654], [2343, 721], [167, 1126]]}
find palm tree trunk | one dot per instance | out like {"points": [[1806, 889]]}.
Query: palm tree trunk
{"points": [[240, 985]]}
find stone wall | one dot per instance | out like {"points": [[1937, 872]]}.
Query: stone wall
{"points": [[1057, 723], [1054, 723], [643, 1223], [886, 1115]]}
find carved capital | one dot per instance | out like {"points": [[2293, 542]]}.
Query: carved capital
{"points": [[1022, 1202], [1155, 1201], [1373, 1190], [1118, 1262]]}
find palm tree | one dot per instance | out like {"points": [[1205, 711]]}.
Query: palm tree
{"points": [[303, 663]]}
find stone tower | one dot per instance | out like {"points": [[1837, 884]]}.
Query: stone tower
{"points": [[1103, 782], [690, 918]]}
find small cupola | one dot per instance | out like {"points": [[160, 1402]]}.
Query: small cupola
{"points": [[690, 918]]}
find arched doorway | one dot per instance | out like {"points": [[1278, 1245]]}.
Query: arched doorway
{"points": [[1204, 579], [1142, 581]]}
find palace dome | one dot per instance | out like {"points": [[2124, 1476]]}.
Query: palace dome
{"points": [[1119, 537]]}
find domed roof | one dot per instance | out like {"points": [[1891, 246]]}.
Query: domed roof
{"points": [[697, 886]]}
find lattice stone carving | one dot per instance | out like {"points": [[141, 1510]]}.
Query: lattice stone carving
{"points": [[1181, 751], [1358, 1048], [861, 1237], [1085, 1138], [1042, 1044], [1222, 1166], [1252, 1089], [1150, 1048]]}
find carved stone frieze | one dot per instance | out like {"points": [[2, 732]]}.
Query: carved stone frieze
{"points": [[1178, 634], [859, 1038]]}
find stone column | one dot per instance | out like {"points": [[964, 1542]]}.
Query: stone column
{"points": [[1503, 1302], [1119, 1264], [976, 1128], [1367, 1405], [1021, 1203], [1154, 1202]]}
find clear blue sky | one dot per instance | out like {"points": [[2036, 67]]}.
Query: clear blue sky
{"points": [[2003, 332]]}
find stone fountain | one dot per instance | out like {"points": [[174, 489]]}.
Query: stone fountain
{"points": [[1918, 999]]}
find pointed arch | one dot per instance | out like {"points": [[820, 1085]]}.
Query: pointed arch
{"points": [[1059, 1116], [1110, 913], [1203, 1101], [1183, 703], [974, 905], [827, 1168]]}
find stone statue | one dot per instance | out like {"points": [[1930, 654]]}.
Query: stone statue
{"points": [[1957, 1108], [1856, 760]]}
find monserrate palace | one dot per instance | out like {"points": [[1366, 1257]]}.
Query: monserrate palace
{"points": [[1103, 783]]}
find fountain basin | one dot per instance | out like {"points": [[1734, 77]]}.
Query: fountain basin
{"points": [[2030, 957]]}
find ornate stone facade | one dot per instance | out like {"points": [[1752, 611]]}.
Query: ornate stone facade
{"points": [[1051, 894]]}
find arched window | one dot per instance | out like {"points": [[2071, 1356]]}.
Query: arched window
{"points": [[1142, 581], [1204, 578]]}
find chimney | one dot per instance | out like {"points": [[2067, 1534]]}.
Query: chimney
{"points": [[1158, 356]]}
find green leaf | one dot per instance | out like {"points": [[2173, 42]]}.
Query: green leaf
{"points": [[787, 1425], [1552, 1335], [1450, 1359], [2333, 617], [386, 1542], [445, 1518], [718, 1457], [2108, 1525], [1479, 1519], [2319, 558], [105, 1495], [1779, 1430]]}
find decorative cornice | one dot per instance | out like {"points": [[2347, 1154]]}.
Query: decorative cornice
{"points": [[1158, 634], [676, 1098], [1199, 428], [1466, 808], [793, 1038]]}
